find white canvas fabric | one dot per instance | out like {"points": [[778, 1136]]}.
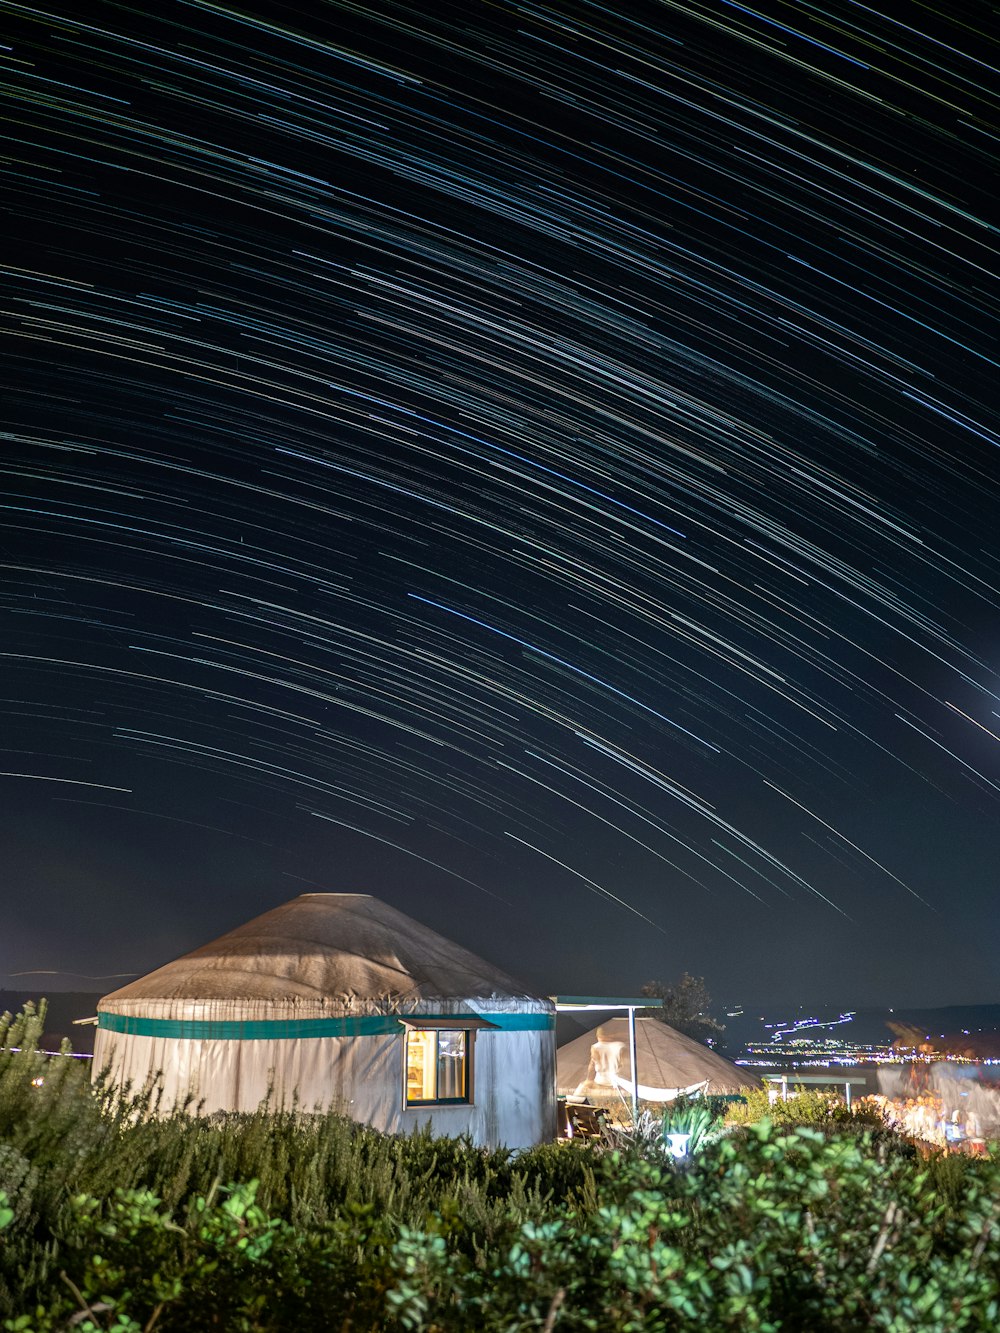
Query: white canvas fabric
{"points": [[597, 1064], [304, 1004]]}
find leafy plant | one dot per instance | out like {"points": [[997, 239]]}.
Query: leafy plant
{"points": [[808, 1106], [115, 1222]]}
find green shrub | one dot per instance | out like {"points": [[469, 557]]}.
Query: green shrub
{"points": [[111, 1221], [693, 1116], [809, 1106]]}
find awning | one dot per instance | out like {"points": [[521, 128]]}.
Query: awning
{"points": [[445, 1022]]}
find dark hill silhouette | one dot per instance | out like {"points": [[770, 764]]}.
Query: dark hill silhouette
{"points": [[64, 1007], [971, 1027]]}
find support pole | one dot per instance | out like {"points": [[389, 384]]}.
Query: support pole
{"points": [[635, 1064]]}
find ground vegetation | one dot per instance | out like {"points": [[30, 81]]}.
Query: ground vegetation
{"points": [[113, 1219]]}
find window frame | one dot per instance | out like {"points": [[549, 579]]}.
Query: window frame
{"points": [[453, 1025]]}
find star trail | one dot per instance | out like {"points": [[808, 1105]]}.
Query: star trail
{"points": [[536, 463]]}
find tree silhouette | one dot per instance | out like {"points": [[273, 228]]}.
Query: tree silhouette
{"points": [[686, 1006]]}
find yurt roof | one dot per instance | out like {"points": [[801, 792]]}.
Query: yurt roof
{"points": [[325, 952], [666, 1059]]}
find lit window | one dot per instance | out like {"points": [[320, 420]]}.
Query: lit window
{"points": [[437, 1066]]}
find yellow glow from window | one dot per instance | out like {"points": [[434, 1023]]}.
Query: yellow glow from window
{"points": [[421, 1049], [436, 1066]]}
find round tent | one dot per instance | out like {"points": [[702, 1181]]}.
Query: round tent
{"points": [[597, 1064], [338, 1001]]}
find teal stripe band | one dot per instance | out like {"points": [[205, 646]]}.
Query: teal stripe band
{"points": [[289, 1029]]}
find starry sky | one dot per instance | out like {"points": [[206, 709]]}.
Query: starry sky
{"points": [[536, 463]]}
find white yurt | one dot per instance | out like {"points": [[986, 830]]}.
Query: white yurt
{"points": [[338, 1001], [598, 1066]]}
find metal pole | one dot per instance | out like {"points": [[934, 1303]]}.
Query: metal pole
{"points": [[635, 1064]]}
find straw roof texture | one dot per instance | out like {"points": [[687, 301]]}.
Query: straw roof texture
{"points": [[325, 953]]}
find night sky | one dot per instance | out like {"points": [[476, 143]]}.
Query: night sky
{"points": [[533, 463]]}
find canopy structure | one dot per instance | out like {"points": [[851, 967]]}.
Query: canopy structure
{"points": [[337, 1000], [631, 1006], [597, 1064]]}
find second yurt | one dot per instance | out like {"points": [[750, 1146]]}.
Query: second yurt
{"points": [[597, 1065]]}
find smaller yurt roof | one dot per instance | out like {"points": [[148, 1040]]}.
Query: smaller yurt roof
{"points": [[667, 1059], [324, 953]]}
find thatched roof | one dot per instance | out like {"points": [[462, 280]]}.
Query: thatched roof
{"points": [[325, 953], [665, 1057]]}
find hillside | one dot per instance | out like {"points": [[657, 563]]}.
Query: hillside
{"points": [[64, 1007]]}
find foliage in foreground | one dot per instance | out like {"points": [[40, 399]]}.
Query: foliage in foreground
{"points": [[116, 1225]]}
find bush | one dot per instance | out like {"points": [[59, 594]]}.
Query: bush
{"points": [[274, 1221], [809, 1106]]}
